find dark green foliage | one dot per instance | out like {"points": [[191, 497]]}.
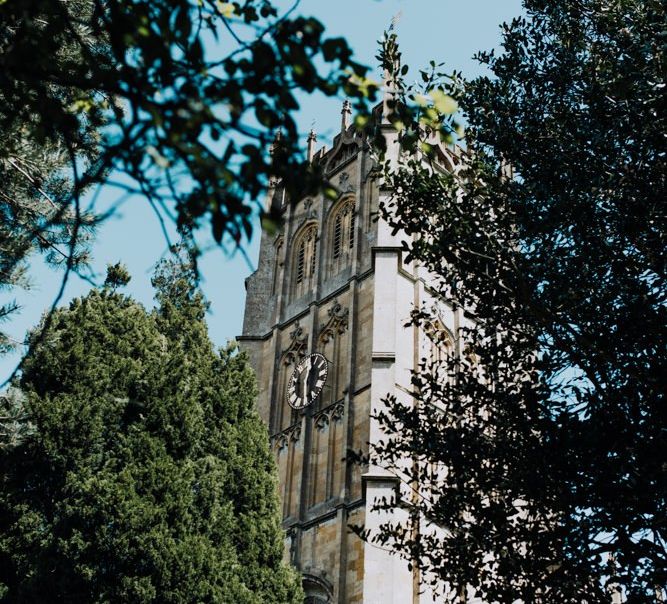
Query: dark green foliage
{"points": [[117, 276], [36, 213], [542, 454], [147, 477], [14, 421], [177, 101], [192, 95]]}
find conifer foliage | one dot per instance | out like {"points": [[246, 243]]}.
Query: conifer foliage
{"points": [[146, 475]]}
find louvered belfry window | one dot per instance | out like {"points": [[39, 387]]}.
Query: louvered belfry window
{"points": [[338, 235], [342, 236], [301, 262], [304, 261]]}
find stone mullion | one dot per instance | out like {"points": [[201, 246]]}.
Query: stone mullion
{"points": [[289, 478], [347, 425], [336, 359], [328, 489], [276, 397]]}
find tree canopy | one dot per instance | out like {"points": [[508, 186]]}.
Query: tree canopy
{"points": [[541, 455], [145, 475], [177, 101], [34, 212]]}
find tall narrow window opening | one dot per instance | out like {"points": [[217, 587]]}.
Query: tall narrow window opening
{"points": [[338, 236], [342, 236], [439, 349], [301, 263], [305, 259]]}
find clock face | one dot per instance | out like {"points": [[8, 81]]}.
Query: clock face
{"points": [[307, 381]]}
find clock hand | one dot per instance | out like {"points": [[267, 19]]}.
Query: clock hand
{"points": [[305, 379], [312, 377]]}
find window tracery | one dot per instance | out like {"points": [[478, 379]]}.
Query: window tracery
{"points": [[317, 590], [441, 342], [439, 349], [305, 259], [342, 235]]}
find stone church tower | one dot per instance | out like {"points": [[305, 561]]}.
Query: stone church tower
{"points": [[335, 282]]}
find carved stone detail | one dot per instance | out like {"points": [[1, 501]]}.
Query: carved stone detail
{"points": [[345, 185], [310, 210], [347, 148], [321, 420], [337, 323], [290, 434], [332, 413], [297, 348], [337, 411]]}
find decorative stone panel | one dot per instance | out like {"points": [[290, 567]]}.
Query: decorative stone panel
{"points": [[297, 347], [332, 413], [283, 438], [337, 323]]}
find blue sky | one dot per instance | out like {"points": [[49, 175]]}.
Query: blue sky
{"points": [[442, 30]]}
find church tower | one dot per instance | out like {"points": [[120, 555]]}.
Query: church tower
{"points": [[325, 331]]}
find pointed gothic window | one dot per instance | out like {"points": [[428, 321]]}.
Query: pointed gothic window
{"points": [[305, 257], [440, 347], [342, 236]]}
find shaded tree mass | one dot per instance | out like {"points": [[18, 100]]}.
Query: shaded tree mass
{"points": [[146, 474], [542, 454]]}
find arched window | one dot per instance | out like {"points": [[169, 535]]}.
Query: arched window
{"points": [[342, 236], [440, 348], [305, 258], [438, 366], [441, 342], [317, 590]]}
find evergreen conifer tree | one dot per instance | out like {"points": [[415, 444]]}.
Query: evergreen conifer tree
{"points": [[146, 476]]}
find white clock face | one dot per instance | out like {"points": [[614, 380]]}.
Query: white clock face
{"points": [[307, 381]]}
